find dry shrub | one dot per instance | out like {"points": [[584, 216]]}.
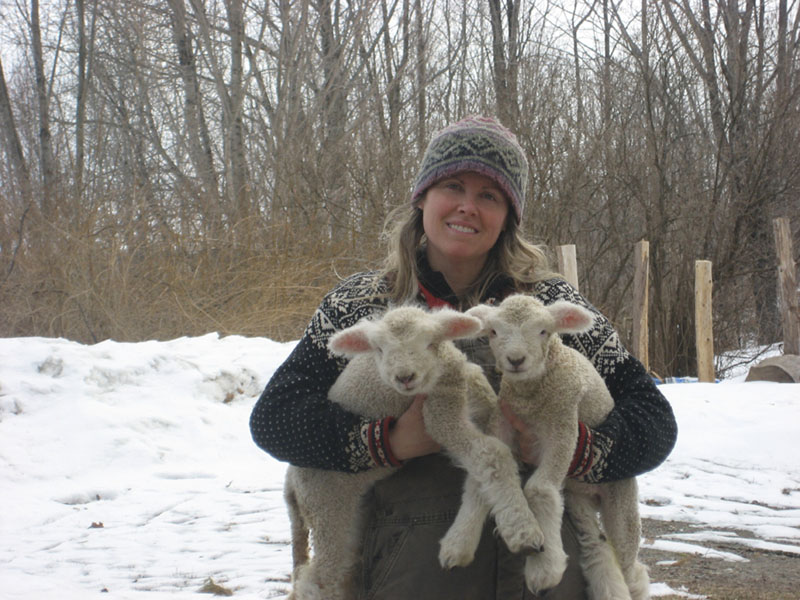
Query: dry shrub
{"points": [[129, 285]]}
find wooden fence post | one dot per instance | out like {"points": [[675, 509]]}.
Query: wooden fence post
{"points": [[704, 333], [787, 286], [641, 279], [568, 263]]}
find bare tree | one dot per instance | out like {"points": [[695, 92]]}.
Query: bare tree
{"points": [[727, 63], [11, 242], [46, 158], [85, 57], [11, 140], [334, 109], [505, 57], [234, 107], [199, 137], [421, 76]]}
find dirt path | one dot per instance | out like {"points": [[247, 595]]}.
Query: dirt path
{"points": [[766, 575]]}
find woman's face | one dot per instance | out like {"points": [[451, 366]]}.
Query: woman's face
{"points": [[463, 215]]}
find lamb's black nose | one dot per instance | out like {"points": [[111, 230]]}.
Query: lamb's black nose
{"points": [[405, 379], [516, 362]]}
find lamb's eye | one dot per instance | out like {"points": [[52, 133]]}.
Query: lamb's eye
{"points": [[543, 332], [492, 333]]}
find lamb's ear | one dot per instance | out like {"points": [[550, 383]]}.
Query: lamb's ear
{"points": [[481, 312], [570, 318], [351, 341], [455, 325]]}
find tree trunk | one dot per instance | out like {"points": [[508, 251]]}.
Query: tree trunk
{"points": [[782, 67], [334, 111], [237, 160], [47, 160], [505, 60], [11, 140], [422, 83], [199, 142], [80, 101]]}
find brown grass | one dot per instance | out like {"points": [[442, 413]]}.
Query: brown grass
{"points": [[128, 286]]}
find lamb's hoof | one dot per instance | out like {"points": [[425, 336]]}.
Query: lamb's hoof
{"points": [[525, 540], [540, 585], [540, 576], [531, 550], [450, 556], [638, 582]]}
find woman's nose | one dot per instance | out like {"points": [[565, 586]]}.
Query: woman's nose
{"points": [[468, 203]]}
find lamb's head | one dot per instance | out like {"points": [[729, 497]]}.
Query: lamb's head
{"points": [[522, 331], [405, 344]]}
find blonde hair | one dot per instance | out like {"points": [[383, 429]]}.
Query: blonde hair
{"points": [[511, 256]]}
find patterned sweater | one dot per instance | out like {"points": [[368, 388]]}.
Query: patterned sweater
{"points": [[294, 421]]}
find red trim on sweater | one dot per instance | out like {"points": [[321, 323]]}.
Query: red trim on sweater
{"points": [[431, 300], [371, 444], [378, 443], [582, 459], [387, 424]]}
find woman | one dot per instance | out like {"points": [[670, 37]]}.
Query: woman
{"points": [[456, 243]]}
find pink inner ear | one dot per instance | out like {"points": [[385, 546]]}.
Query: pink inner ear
{"points": [[461, 326], [351, 341], [572, 318]]}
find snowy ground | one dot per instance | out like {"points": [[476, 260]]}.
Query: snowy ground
{"points": [[127, 470]]}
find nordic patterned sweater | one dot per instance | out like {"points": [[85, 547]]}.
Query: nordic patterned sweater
{"points": [[294, 421]]}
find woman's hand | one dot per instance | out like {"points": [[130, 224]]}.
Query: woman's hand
{"points": [[409, 438], [527, 442]]}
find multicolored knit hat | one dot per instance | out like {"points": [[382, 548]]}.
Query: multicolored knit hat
{"points": [[478, 144]]}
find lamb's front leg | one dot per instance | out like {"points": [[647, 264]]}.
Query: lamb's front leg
{"points": [[491, 464], [543, 491], [457, 547]]}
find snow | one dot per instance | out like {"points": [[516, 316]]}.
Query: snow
{"points": [[128, 471]]}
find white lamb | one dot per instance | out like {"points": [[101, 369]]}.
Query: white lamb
{"points": [[550, 387], [406, 352]]}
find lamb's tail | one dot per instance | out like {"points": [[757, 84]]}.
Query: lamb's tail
{"points": [[300, 550]]}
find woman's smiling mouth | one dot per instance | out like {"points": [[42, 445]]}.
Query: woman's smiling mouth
{"points": [[462, 228]]}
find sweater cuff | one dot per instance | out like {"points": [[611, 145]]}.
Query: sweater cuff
{"points": [[582, 459], [378, 442]]}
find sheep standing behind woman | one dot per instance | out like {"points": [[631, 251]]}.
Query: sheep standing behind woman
{"points": [[405, 353], [551, 388]]}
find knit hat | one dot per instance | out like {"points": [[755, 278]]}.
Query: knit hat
{"points": [[478, 144]]}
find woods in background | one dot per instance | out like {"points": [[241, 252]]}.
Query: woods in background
{"points": [[182, 166]]}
